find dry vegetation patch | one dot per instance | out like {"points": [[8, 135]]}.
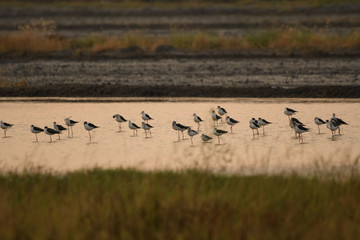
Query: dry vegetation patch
{"points": [[40, 37]]}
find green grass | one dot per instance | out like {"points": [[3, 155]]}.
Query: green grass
{"points": [[129, 204]]}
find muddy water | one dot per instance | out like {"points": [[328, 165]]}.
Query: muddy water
{"points": [[239, 151]]}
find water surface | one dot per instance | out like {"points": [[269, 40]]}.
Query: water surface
{"points": [[239, 151]]}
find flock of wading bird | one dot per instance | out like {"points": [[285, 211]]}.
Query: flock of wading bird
{"points": [[333, 124]]}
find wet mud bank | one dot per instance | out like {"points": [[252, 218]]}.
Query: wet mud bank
{"points": [[109, 90]]}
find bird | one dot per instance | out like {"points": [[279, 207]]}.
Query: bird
{"points": [[221, 111], [89, 127], [50, 132], [197, 119], [146, 127], [300, 129], [215, 117], [338, 122], [5, 126], [262, 123], [292, 122], [180, 128], [218, 133], [289, 112], [191, 133], [333, 127], [318, 121], [205, 138], [230, 121], [133, 127], [120, 119], [36, 130], [254, 125], [145, 116], [59, 128], [70, 123]]}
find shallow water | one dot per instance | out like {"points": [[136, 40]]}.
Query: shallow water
{"points": [[239, 151]]}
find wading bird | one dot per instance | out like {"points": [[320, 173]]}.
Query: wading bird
{"points": [[120, 119], [192, 133], [232, 122], [300, 129], [338, 122], [221, 111], [133, 127], [59, 129], [70, 123], [262, 123], [318, 121], [89, 127], [289, 112], [215, 117], [333, 127], [5, 126], [145, 116], [50, 132], [294, 121], [218, 133], [197, 119], [254, 125], [146, 127], [36, 130], [205, 138], [180, 128]]}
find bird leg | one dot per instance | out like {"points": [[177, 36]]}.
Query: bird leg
{"points": [[263, 130], [191, 141], [36, 137], [68, 131], [231, 129], [5, 132], [319, 129], [182, 132], [59, 136], [50, 139], [89, 136], [72, 133]]}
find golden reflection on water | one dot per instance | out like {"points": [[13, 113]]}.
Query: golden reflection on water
{"points": [[277, 151]]}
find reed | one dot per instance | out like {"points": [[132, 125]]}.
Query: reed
{"points": [[191, 204]]}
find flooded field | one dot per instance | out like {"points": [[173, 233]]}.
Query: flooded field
{"points": [[239, 152]]}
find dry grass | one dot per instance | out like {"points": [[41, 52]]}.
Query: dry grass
{"points": [[34, 40]]}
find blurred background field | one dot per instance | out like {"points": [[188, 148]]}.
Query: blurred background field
{"points": [[34, 28]]}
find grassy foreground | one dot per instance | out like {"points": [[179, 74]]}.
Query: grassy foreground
{"points": [[128, 204]]}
